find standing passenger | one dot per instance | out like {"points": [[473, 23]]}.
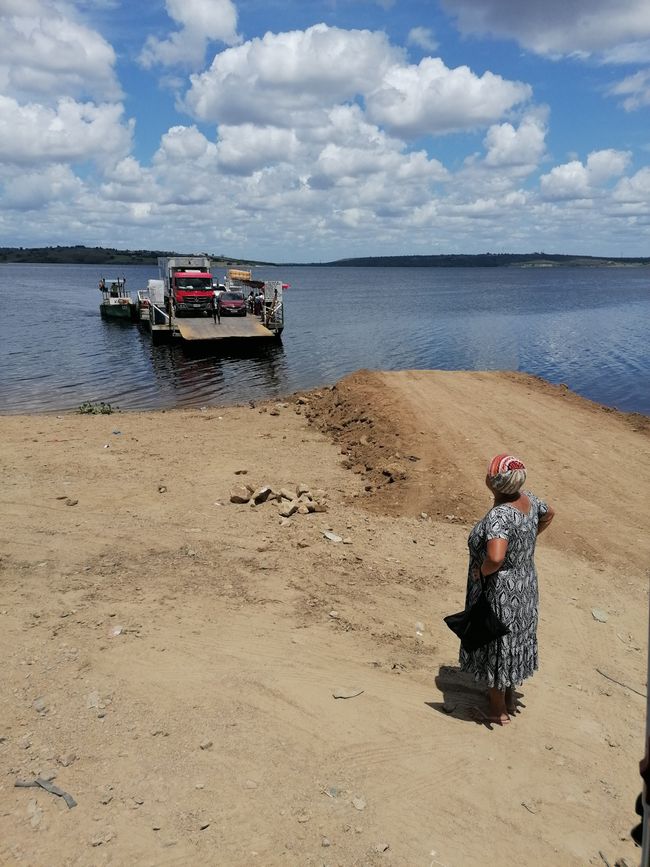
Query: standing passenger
{"points": [[502, 550]]}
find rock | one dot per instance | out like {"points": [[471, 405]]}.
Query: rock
{"points": [[302, 544], [106, 797], [303, 816], [359, 803], [92, 699], [240, 495], [241, 472], [287, 494], [205, 825], [285, 522], [599, 615], [274, 412], [380, 847], [320, 507], [289, 509], [250, 784], [325, 842], [66, 759], [332, 537], [262, 494], [206, 744], [40, 706], [347, 540], [334, 615], [70, 502], [303, 509], [162, 489], [302, 488]]}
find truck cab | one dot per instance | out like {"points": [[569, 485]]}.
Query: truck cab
{"points": [[188, 284], [191, 291]]}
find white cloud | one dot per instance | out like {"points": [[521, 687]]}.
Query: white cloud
{"points": [[46, 52], [628, 52], [422, 37], [201, 22], [635, 89], [521, 147], [35, 189], [431, 98], [575, 180], [272, 79], [246, 148], [71, 132], [290, 79], [128, 181], [555, 27], [635, 190]]}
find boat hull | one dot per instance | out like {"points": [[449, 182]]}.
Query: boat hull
{"points": [[117, 311]]}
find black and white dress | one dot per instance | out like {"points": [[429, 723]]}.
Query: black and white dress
{"points": [[512, 592]]}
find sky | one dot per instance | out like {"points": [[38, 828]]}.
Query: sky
{"points": [[307, 131]]}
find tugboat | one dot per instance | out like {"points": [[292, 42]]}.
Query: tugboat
{"points": [[116, 301]]}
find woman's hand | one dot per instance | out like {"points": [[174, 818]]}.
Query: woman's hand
{"points": [[545, 520]]}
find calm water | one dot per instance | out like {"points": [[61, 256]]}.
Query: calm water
{"points": [[588, 328]]}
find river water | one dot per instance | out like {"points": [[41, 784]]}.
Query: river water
{"points": [[586, 327]]}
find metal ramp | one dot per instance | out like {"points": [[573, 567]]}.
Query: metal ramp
{"points": [[230, 328]]}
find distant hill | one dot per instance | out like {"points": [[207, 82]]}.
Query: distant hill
{"points": [[488, 260], [81, 255]]}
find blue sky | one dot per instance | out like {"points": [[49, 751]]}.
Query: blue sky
{"points": [[309, 131]]}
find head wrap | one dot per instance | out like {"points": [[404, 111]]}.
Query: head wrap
{"points": [[506, 474]]}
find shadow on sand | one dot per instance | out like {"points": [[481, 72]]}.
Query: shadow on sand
{"points": [[463, 698]]}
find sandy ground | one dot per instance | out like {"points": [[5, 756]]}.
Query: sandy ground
{"points": [[171, 657]]}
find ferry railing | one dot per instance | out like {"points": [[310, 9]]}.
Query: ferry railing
{"points": [[274, 316], [159, 316]]}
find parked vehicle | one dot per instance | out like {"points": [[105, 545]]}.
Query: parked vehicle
{"points": [[188, 284], [232, 304]]}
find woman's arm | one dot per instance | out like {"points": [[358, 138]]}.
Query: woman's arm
{"points": [[545, 520], [494, 556]]}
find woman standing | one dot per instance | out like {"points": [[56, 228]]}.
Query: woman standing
{"points": [[501, 555]]}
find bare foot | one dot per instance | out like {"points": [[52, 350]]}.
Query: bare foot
{"points": [[512, 701]]}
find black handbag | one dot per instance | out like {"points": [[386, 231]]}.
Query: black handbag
{"points": [[477, 625]]}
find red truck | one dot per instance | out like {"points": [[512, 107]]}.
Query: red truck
{"points": [[188, 284]]}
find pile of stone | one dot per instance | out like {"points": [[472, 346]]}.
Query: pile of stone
{"points": [[295, 500]]}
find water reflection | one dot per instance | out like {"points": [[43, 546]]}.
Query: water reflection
{"points": [[227, 373]]}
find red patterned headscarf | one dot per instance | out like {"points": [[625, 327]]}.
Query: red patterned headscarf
{"points": [[507, 474]]}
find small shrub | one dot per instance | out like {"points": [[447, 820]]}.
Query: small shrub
{"points": [[97, 408]]}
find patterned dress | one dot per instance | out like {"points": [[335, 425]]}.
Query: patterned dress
{"points": [[512, 592]]}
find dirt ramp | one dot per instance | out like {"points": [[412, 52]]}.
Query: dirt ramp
{"points": [[421, 441]]}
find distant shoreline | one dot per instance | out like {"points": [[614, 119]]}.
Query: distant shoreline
{"points": [[109, 257]]}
